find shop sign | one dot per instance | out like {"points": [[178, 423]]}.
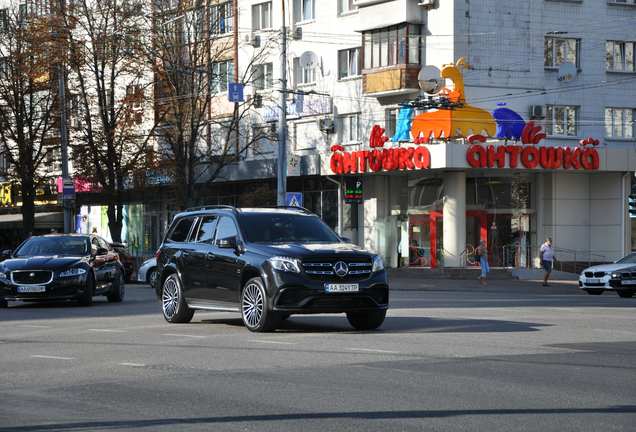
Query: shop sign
{"points": [[531, 157], [389, 159], [295, 110], [5, 194]]}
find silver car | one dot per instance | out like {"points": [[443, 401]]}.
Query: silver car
{"points": [[595, 280], [148, 272]]}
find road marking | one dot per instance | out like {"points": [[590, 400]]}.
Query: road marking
{"points": [[33, 326], [54, 358], [272, 342], [132, 364], [376, 351], [107, 330], [181, 335], [615, 331]]}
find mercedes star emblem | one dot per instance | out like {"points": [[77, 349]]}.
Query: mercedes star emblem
{"points": [[341, 269]]}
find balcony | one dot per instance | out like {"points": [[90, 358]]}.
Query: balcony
{"points": [[396, 80]]}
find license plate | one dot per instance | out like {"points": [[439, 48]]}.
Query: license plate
{"points": [[592, 281], [341, 288], [628, 282], [31, 289]]}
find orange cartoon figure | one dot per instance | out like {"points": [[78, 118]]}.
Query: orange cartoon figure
{"points": [[446, 122]]}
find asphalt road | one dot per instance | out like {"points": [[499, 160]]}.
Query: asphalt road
{"points": [[446, 359]]}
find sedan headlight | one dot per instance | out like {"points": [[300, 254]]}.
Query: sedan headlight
{"points": [[72, 272], [377, 264], [286, 264]]}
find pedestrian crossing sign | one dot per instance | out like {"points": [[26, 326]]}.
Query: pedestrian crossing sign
{"points": [[294, 199]]}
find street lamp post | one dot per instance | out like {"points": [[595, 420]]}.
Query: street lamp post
{"points": [[282, 116]]}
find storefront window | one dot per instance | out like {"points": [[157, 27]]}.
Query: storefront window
{"points": [[425, 196]]}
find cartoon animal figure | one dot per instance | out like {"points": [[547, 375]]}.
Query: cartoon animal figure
{"points": [[509, 124], [447, 122]]}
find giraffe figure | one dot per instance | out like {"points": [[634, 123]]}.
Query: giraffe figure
{"points": [[447, 122]]}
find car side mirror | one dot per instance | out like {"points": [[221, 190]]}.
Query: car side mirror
{"points": [[346, 239], [6, 254], [228, 243], [101, 251]]}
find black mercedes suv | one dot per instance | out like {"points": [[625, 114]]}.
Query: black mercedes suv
{"points": [[267, 264]]}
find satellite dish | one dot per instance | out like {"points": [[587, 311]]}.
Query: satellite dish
{"points": [[430, 79], [309, 60], [567, 72]]}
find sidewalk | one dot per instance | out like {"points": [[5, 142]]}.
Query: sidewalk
{"points": [[493, 285]]}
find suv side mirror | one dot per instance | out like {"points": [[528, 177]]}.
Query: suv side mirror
{"points": [[346, 239], [227, 243], [101, 251]]}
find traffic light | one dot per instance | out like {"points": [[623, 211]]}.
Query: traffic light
{"points": [[632, 205]]}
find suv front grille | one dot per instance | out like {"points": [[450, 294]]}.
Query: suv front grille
{"points": [[325, 271], [628, 275], [31, 277]]}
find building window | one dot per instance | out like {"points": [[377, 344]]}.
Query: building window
{"points": [[345, 6], [618, 122], [349, 128], [393, 45], [302, 75], [223, 74], [262, 16], [557, 51], [263, 76], [304, 10], [619, 56], [221, 18], [349, 63], [561, 120], [390, 121]]}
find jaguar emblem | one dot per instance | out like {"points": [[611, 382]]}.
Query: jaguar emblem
{"points": [[341, 268]]}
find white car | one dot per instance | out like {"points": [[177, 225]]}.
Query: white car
{"points": [[148, 272], [595, 280]]}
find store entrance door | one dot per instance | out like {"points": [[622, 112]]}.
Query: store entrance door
{"points": [[476, 223]]}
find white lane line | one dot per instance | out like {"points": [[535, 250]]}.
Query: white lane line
{"points": [[272, 342], [182, 335], [33, 326], [132, 364], [108, 330], [614, 331], [54, 357], [375, 351]]}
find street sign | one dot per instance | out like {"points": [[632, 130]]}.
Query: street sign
{"points": [[235, 93], [295, 199], [68, 189], [293, 166]]}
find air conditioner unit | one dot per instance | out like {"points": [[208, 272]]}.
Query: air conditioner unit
{"points": [[253, 40], [426, 3], [536, 112], [325, 124], [297, 33], [257, 100]]}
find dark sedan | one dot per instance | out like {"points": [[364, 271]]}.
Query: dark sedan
{"points": [[125, 259], [62, 267], [623, 281]]}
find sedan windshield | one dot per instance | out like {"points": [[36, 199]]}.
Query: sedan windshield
{"points": [[48, 246], [276, 227], [628, 259]]}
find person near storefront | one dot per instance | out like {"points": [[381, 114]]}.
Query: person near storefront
{"points": [[482, 253], [546, 253]]}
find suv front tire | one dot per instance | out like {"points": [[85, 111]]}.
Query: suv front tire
{"points": [[256, 315]]}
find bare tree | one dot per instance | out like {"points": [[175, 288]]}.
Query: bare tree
{"points": [[30, 50], [198, 131], [110, 85]]}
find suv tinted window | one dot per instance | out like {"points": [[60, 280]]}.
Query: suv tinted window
{"points": [[181, 230], [276, 227], [206, 229], [226, 228]]}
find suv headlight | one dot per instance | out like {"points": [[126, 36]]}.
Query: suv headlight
{"points": [[377, 264], [615, 275], [72, 272], [286, 264]]}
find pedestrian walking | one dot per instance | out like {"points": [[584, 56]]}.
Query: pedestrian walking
{"points": [[547, 256], [482, 253]]}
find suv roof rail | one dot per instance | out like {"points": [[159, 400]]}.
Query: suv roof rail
{"points": [[211, 207], [300, 209]]}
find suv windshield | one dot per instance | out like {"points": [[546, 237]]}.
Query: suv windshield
{"points": [[38, 246], [277, 227]]}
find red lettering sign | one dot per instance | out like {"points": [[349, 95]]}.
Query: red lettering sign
{"points": [[375, 160], [478, 156]]}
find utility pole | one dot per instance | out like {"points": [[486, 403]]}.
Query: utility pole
{"points": [[66, 205], [282, 115]]}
